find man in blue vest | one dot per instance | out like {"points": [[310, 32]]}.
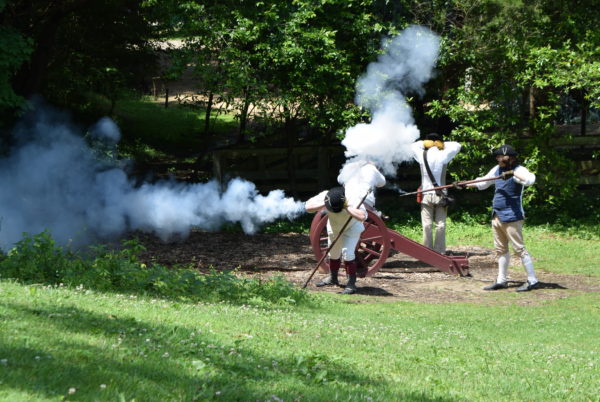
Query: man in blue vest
{"points": [[508, 215]]}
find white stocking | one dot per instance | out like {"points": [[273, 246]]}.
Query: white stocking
{"points": [[528, 264], [503, 261]]}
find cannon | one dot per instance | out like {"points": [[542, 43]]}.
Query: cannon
{"points": [[375, 244]]}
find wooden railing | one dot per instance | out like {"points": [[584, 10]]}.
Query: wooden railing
{"points": [[306, 169], [295, 170]]}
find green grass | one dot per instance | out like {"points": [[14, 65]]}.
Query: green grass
{"points": [[176, 129], [159, 338], [554, 249], [151, 131], [38, 259], [122, 347], [553, 246]]}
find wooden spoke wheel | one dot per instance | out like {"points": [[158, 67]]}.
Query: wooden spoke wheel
{"points": [[374, 245], [371, 252]]}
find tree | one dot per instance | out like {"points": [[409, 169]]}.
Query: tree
{"points": [[282, 61], [14, 51], [506, 65], [80, 46]]}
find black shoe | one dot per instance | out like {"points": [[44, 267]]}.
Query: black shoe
{"points": [[351, 285], [496, 286], [349, 290], [329, 281], [528, 286]]}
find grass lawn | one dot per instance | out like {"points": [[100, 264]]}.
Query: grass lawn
{"points": [[552, 249], [77, 344], [60, 343], [151, 131]]}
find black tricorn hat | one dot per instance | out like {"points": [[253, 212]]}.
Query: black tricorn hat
{"points": [[433, 137], [335, 199], [505, 150]]}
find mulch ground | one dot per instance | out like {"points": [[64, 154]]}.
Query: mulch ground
{"points": [[401, 277]]}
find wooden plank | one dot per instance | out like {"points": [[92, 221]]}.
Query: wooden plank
{"points": [[314, 170], [587, 141]]}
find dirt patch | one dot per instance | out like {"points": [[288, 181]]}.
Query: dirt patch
{"points": [[401, 278]]}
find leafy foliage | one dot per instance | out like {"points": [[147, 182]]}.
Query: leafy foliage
{"points": [[78, 46], [288, 68], [280, 61], [507, 67], [14, 51], [37, 259]]}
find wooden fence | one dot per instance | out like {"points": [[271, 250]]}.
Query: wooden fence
{"points": [[308, 169], [302, 169]]}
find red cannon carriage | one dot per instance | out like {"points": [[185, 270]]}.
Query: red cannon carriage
{"points": [[375, 244]]}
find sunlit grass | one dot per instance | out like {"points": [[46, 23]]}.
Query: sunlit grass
{"points": [[552, 246], [151, 130], [60, 343]]}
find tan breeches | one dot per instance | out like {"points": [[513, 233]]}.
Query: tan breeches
{"points": [[505, 232], [432, 214]]}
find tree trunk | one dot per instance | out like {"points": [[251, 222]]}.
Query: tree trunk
{"points": [[113, 104], [209, 105], [532, 104], [290, 132], [31, 76], [584, 112], [244, 117]]}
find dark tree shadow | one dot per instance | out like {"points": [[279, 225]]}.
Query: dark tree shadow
{"points": [[541, 285], [68, 360], [372, 291]]}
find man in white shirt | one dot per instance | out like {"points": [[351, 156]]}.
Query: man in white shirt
{"points": [[339, 209], [438, 153], [508, 214], [360, 177]]}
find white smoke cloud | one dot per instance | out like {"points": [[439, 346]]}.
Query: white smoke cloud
{"points": [[106, 130], [406, 63], [53, 180]]}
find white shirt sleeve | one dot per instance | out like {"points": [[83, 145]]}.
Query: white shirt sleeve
{"points": [[417, 148], [354, 202], [373, 176], [485, 184], [524, 172], [451, 148], [316, 202]]}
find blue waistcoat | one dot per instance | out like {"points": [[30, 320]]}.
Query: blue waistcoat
{"points": [[507, 203]]}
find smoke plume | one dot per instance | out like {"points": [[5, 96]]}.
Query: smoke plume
{"points": [[405, 64], [53, 180]]}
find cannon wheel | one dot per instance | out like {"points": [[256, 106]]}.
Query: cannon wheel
{"points": [[372, 249]]}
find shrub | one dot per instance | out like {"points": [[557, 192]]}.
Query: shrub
{"points": [[38, 259]]}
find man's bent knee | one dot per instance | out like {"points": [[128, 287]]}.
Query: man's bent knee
{"points": [[499, 250], [521, 252], [347, 254]]}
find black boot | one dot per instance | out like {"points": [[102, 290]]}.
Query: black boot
{"points": [[496, 286], [331, 280], [351, 285]]}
